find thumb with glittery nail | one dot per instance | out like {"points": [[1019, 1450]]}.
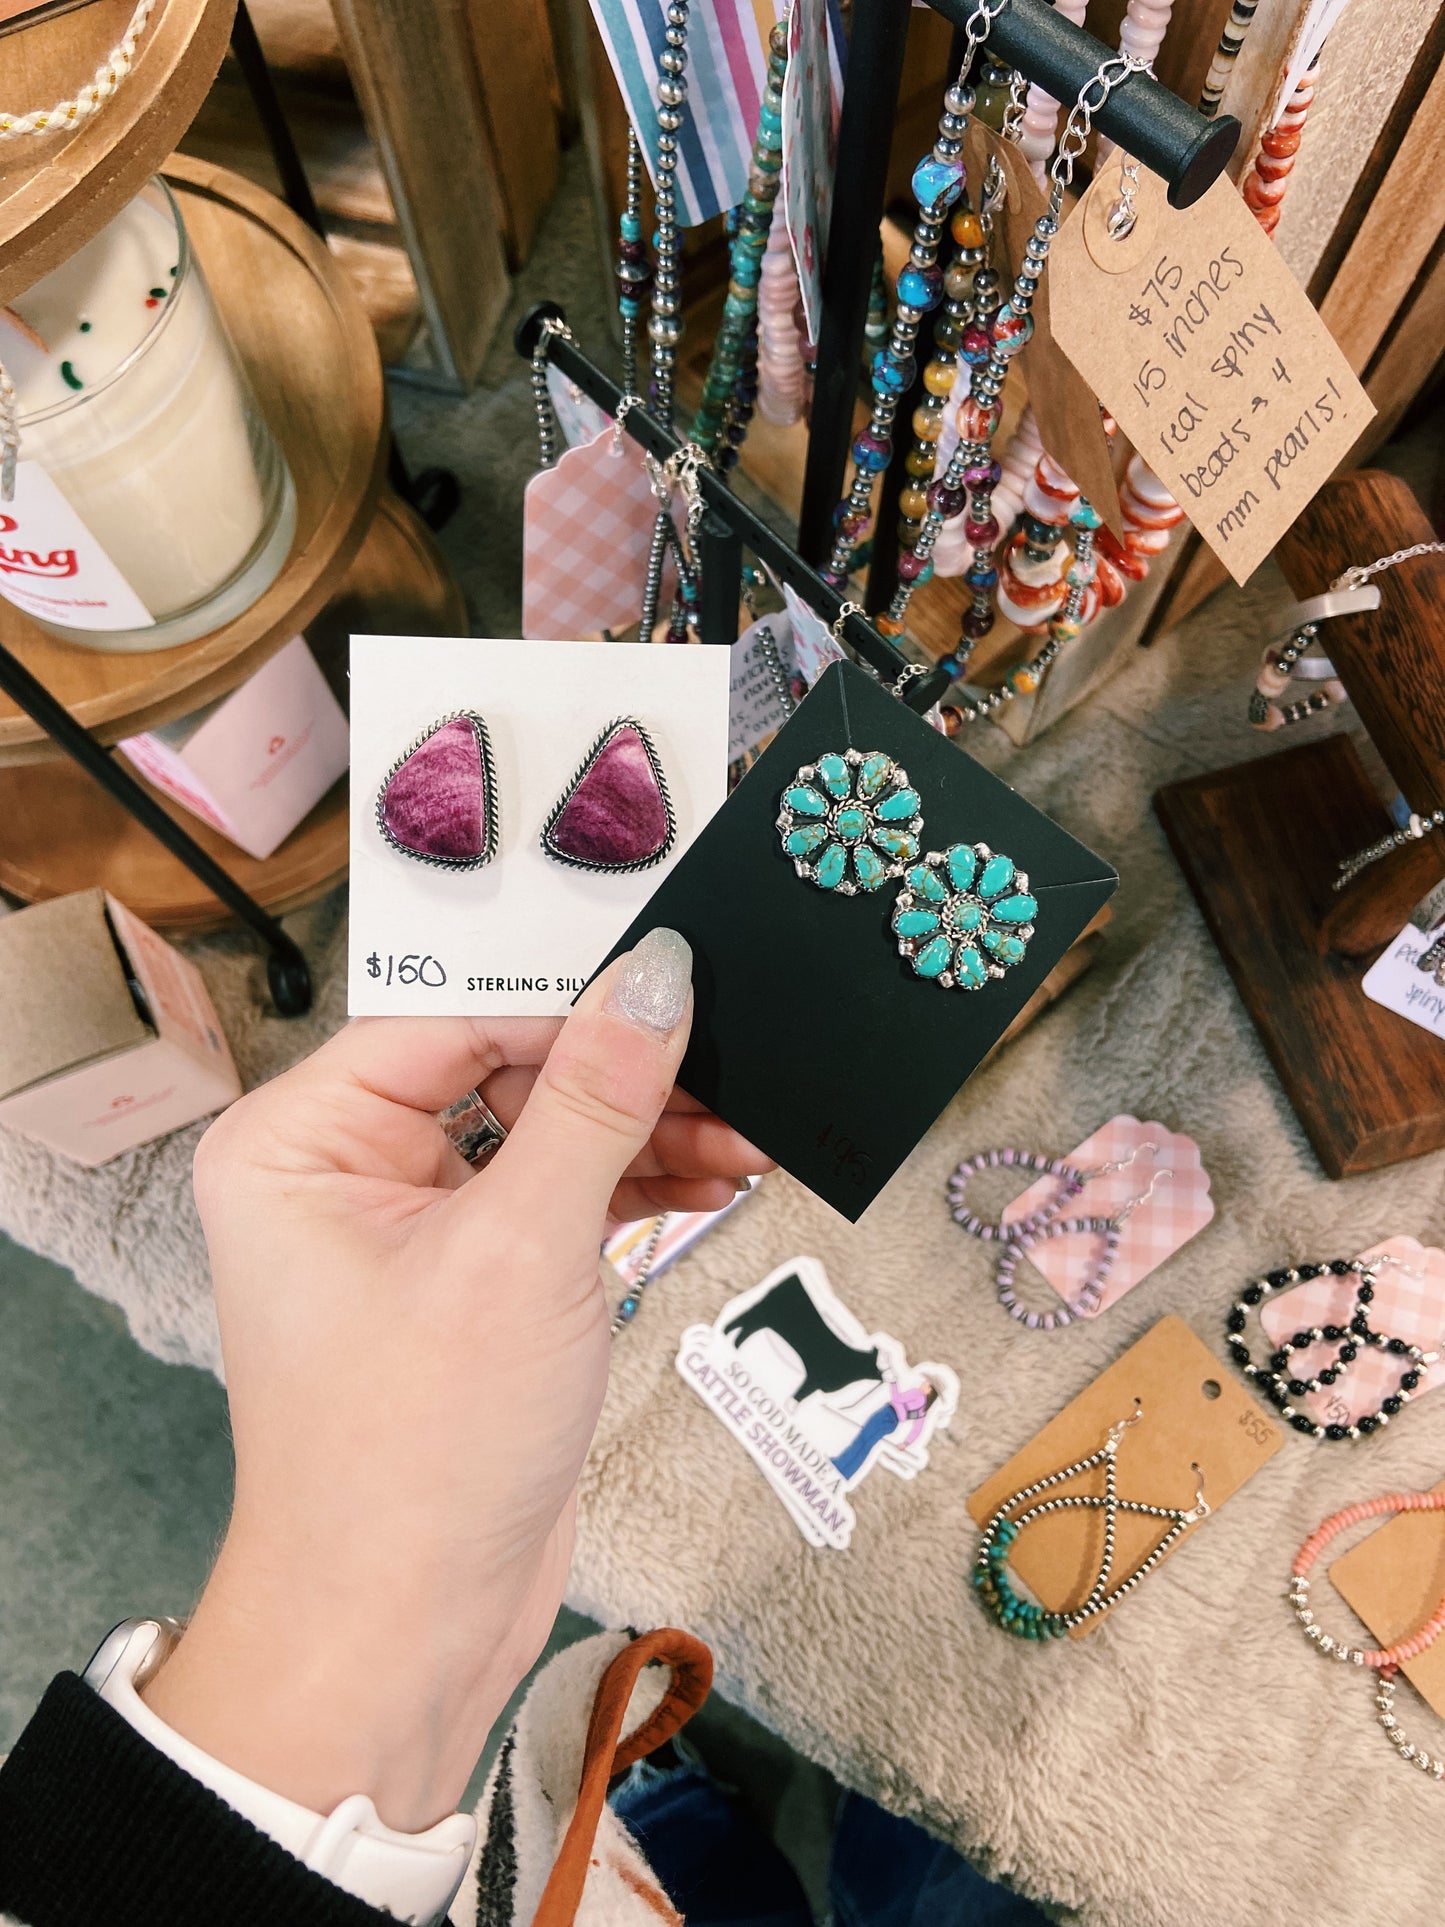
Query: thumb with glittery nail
{"points": [[602, 1089]]}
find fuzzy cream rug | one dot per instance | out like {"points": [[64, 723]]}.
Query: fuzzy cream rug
{"points": [[1191, 1762]]}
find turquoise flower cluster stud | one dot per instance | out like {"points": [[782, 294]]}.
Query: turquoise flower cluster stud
{"points": [[963, 916], [850, 821]]}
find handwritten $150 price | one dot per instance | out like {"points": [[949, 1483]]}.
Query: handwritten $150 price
{"points": [[406, 971]]}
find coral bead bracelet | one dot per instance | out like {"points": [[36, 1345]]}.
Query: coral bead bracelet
{"points": [[1309, 1552]]}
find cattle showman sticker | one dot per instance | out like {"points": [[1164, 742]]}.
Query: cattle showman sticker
{"points": [[815, 1399]]}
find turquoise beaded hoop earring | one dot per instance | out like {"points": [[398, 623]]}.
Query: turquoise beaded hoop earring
{"points": [[1023, 1617], [850, 821], [964, 915]]}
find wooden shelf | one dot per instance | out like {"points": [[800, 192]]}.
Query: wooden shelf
{"points": [[340, 158], [55, 193], [62, 833], [308, 348]]}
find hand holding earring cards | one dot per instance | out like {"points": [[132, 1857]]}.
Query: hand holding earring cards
{"points": [[833, 1024], [513, 806]]}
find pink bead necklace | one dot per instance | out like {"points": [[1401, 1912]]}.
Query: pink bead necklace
{"points": [[1308, 1554]]}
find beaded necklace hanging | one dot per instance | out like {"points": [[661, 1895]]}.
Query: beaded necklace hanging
{"points": [[730, 388], [664, 328], [938, 181], [781, 378], [978, 418], [971, 301]]}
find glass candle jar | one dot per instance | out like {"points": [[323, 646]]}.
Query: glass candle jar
{"points": [[152, 503]]}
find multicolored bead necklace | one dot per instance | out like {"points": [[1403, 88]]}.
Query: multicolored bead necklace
{"points": [[925, 504], [938, 181], [634, 276]]}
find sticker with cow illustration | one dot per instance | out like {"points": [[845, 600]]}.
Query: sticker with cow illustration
{"points": [[815, 1399]]}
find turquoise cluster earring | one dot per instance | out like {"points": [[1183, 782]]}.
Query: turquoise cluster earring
{"points": [[965, 915], [850, 821]]}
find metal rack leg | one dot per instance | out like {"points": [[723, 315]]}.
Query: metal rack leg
{"points": [[272, 116], [435, 492], [721, 560], [870, 100], [287, 971]]}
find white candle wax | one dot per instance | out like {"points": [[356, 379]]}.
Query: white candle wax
{"points": [[138, 411]]}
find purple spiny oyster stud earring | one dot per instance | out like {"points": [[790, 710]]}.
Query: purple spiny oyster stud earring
{"points": [[438, 803], [615, 815]]}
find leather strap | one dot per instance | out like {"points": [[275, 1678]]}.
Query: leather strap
{"points": [[607, 1754]]}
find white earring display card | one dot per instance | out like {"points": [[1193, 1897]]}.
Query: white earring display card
{"points": [[514, 805]]}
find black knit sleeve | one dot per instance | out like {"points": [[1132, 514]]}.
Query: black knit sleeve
{"points": [[99, 1829]]}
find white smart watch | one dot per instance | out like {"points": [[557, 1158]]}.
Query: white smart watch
{"points": [[412, 1876]]}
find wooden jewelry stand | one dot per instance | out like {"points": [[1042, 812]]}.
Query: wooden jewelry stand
{"points": [[1261, 845]]}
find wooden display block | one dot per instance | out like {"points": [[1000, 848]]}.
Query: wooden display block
{"points": [[1259, 844]]}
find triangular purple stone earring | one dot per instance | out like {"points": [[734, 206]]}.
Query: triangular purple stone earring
{"points": [[438, 803], [615, 814]]}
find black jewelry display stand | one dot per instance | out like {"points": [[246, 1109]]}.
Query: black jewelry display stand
{"points": [[1145, 119]]}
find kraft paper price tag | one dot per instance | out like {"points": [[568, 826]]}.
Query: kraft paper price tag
{"points": [[1409, 1303], [1064, 405], [1394, 1580], [1193, 1414], [1396, 981], [1201, 343], [816, 1400], [1156, 1161]]}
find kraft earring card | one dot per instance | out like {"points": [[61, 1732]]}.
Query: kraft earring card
{"points": [[832, 1022], [513, 806]]}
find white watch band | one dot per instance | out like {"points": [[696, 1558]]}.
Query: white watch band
{"points": [[412, 1876]]}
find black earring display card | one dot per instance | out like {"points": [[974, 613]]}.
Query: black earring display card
{"points": [[812, 1035]]}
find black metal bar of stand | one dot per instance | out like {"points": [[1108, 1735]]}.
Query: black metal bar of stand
{"points": [[274, 125], [287, 971], [1170, 137], [870, 101], [769, 547], [720, 560]]}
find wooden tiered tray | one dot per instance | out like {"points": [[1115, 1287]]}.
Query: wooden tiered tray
{"points": [[57, 191], [62, 833], [308, 347]]}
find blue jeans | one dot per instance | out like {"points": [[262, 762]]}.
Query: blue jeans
{"points": [[720, 1869]]}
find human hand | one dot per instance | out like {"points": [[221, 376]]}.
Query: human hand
{"points": [[416, 1356]]}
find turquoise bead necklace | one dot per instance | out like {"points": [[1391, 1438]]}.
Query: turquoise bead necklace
{"points": [[731, 384]]}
